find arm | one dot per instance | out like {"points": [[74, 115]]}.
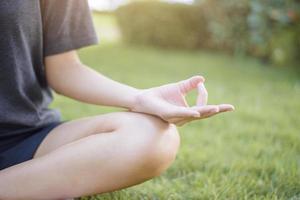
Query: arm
{"points": [[68, 76]]}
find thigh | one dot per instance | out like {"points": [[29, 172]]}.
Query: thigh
{"points": [[87, 163], [76, 129]]}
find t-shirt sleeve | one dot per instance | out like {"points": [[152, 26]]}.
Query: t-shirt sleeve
{"points": [[67, 25]]}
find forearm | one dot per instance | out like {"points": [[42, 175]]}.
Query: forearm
{"points": [[87, 85], [68, 76]]}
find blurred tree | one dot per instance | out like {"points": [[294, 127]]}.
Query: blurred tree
{"points": [[274, 29], [267, 29], [227, 24]]}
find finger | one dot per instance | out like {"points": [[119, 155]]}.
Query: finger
{"points": [[202, 95], [176, 120], [211, 110], [190, 84], [179, 112], [226, 107], [206, 109]]}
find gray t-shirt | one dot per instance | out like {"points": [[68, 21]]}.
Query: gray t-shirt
{"points": [[29, 31]]}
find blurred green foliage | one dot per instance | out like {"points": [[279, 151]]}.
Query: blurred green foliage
{"points": [[274, 27], [227, 24], [267, 29], [162, 24]]}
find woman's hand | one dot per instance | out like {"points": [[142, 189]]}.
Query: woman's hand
{"points": [[169, 103]]}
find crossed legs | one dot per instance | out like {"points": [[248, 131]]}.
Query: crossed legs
{"points": [[93, 155]]}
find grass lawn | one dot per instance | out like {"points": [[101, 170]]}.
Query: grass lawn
{"points": [[252, 153]]}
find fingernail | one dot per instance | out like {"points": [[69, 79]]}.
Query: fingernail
{"points": [[231, 108]]}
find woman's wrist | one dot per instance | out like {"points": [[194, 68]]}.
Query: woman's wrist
{"points": [[132, 101]]}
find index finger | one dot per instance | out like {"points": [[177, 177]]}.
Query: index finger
{"points": [[202, 95]]}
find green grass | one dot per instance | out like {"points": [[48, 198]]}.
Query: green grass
{"points": [[252, 153]]}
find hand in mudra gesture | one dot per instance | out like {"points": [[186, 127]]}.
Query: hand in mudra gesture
{"points": [[168, 102]]}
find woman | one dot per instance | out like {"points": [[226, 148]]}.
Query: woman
{"points": [[42, 157]]}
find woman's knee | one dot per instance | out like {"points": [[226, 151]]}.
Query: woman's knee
{"points": [[156, 141], [162, 150]]}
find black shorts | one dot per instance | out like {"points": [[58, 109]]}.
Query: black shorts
{"points": [[25, 149]]}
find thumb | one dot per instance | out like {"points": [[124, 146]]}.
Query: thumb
{"points": [[187, 85]]}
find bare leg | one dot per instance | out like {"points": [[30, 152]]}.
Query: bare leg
{"points": [[93, 155]]}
